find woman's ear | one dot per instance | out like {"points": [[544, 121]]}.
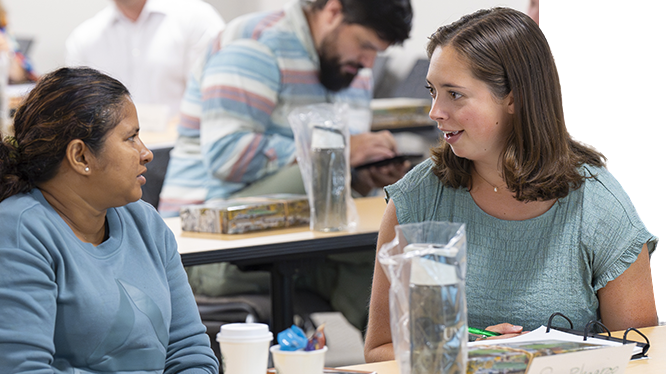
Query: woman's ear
{"points": [[509, 102], [78, 156]]}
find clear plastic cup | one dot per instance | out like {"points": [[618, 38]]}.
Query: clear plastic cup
{"points": [[298, 362], [244, 347]]}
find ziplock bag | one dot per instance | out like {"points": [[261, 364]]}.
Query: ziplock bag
{"points": [[426, 266], [322, 148]]}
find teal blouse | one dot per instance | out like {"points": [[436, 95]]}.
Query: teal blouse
{"points": [[521, 272]]}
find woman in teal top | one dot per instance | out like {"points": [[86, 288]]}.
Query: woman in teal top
{"points": [[548, 227]]}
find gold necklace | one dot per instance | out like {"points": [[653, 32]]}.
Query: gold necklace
{"points": [[485, 180]]}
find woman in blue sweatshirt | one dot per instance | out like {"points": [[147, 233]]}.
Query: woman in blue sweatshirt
{"points": [[90, 279]]}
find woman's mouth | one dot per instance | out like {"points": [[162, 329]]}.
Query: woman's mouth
{"points": [[450, 136]]}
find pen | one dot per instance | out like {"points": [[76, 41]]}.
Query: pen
{"points": [[482, 333]]}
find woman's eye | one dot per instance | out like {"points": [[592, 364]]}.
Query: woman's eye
{"points": [[431, 91], [455, 95]]}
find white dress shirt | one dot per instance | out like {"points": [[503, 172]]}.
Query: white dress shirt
{"points": [[151, 56]]}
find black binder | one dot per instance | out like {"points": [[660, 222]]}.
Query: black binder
{"points": [[588, 332]]}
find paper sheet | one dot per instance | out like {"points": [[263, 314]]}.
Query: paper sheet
{"points": [[541, 334]]}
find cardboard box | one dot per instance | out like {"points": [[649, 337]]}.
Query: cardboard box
{"points": [[297, 208], [400, 113], [237, 216]]}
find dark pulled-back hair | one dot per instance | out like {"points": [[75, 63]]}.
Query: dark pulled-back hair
{"points": [[66, 104], [506, 49], [391, 19]]}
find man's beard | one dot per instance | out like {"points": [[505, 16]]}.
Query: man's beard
{"points": [[331, 75]]}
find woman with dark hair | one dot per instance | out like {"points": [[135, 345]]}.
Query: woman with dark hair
{"points": [[91, 278], [548, 227]]}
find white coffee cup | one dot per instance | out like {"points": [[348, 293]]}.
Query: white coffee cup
{"points": [[244, 347], [298, 362]]}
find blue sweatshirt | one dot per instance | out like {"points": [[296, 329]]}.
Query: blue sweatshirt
{"points": [[69, 307]]}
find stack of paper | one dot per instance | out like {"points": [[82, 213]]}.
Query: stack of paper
{"points": [[610, 356]]}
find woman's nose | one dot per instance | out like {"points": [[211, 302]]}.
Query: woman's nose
{"points": [[437, 112], [146, 154]]}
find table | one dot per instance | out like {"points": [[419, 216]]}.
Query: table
{"points": [[656, 364], [280, 250], [161, 139]]}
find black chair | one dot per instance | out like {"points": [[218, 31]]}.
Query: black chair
{"points": [[218, 311], [155, 175], [413, 85], [379, 74]]}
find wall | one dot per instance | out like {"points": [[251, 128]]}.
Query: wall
{"points": [[611, 61], [50, 22]]}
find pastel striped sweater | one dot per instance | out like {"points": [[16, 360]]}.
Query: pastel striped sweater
{"points": [[233, 128]]}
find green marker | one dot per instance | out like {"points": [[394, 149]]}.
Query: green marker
{"points": [[481, 333]]}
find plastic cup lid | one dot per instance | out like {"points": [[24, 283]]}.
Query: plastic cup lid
{"points": [[299, 352], [244, 332]]}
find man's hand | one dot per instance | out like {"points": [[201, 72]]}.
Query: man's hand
{"points": [[367, 179], [370, 147]]}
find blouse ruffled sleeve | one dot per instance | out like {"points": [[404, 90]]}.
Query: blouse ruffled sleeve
{"points": [[613, 234]]}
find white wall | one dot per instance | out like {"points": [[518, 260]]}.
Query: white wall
{"points": [[50, 22], [611, 65], [428, 16]]}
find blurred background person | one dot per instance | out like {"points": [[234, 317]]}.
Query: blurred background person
{"points": [[148, 45], [91, 278]]}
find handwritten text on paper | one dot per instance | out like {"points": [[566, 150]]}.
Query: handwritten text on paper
{"points": [[607, 360]]}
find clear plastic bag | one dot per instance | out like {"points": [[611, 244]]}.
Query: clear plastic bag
{"points": [[321, 133], [426, 266]]}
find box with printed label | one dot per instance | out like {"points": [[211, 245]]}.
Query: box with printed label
{"points": [[237, 216]]}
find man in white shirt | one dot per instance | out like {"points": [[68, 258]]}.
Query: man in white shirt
{"points": [[149, 45]]}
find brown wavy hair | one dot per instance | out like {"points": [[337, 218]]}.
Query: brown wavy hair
{"points": [[506, 49], [67, 104]]}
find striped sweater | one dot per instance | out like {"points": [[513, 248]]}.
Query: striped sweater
{"points": [[233, 127]]}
